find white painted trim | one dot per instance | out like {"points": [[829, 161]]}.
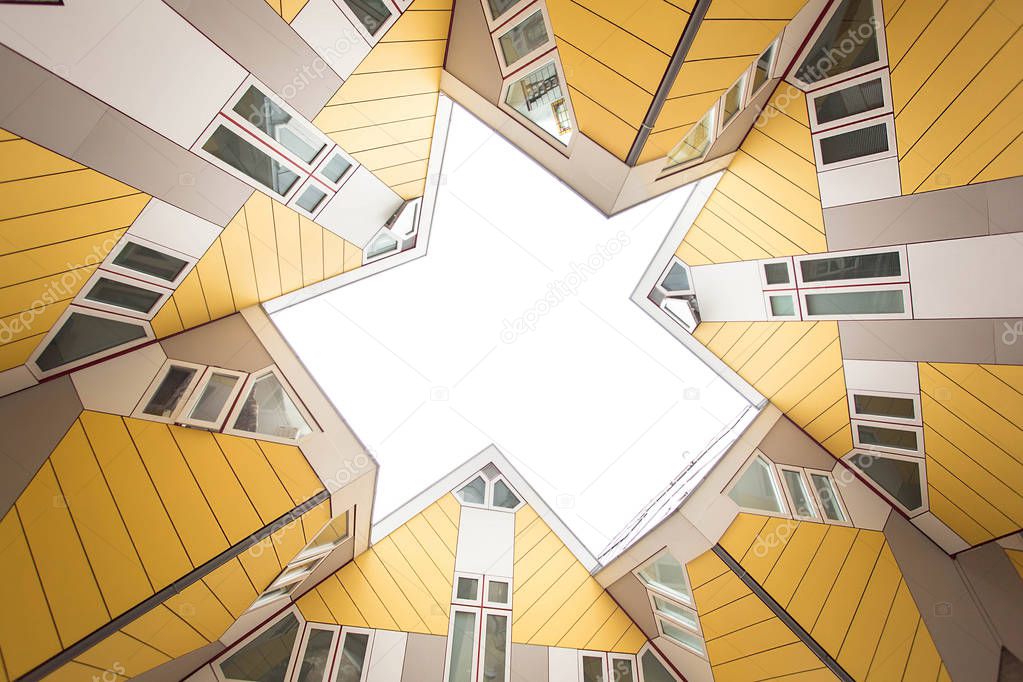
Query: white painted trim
{"points": [[916, 420], [138, 412], [162, 291], [243, 395], [296, 664], [815, 515], [345, 630], [109, 265], [889, 123], [39, 373], [477, 614], [885, 108], [918, 430], [834, 491], [522, 62], [899, 250], [907, 302], [186, 410], [555, 59]]}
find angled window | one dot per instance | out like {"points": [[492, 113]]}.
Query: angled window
{"points": [[875, 265], [382, 244], [540, 98], [336, 168], [315, 656], [848, 41], [827, 495], [265, 658], [166, 395], [474, 492], [894, 407], [118, 294], [489, 489], [498, 592], [310, 199], [265, 115], [467, 589], [854, 144], [269, 410], [351, 664], [731, 103], [857, 303], [654, 669], [373, 14], [503, 496], [901, 479], [681, 636], [849, 101], [682, 615], [664, 574], [890, 437], [676, 279], [498, 8], [757, 489], [255, 163], [332, 535], [762, 69], [696, 142], [777, 274], [82, 335], [623, 668], [799, 494], [781, 306], [141, 259], [212, 398], [523, 39]]}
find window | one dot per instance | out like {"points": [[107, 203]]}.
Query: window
{"points": [[373, 14], [489, 489], [777, 274], [254, 163], [684, 310], [499, 8], [266, 656], [854, 144], [799, 495], [848, 41], [899, 478], [141, 259], [310, 199], [382, 244], [871, 265], [887, 406], [268, 117], [677, 612], [474, 492], [269, 410], [212, 399], [498, 592], [592, 667], [467, 589], [540, 98], [849, 101], [888, 437], [165, 396], [860, 302], [696, 142], [503, 496], [827, 496], [654, 669], [496, 642], [623, 668], [757, 489], [352, 658], [336, 168], [676, 279], [462, 646], [523, 39], [80, 335], [296, 572], [664, 574], [762, 69], [781, 306], [731, 103], [315, 656], [332, 535], [118, 294], [681, 636]]}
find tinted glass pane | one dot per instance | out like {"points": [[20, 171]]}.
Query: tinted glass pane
{"points": [[885, 406], [497, 593], [800, 495], [268, 410], [898, 477], [653, 669], [353, 657], [381, 245], [463, 634], [117, 293], [854, 144], [733, 101], [314, 661], [783, 306], [676, 279], [495, 649], [499, 7], [504, 497], [756, 489], [213, 397], [333, 534], [676, 611], [264, 114], [855, 303], [264, 659], [170, 391], [83, 335], [593, 669], [150, 262], [474, 491], [524, 38], [622, 670], [829, 499], [776, 273], [695, 143], [250, 160], [887, 438], [762, 70], [863, 266], [336, 168], [468, 589], [848, 41], [539, 97], [683, 637], [666, 574], [310, 199], [372, 13], [849, 101]]}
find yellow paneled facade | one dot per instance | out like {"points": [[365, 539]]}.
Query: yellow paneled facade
{"points": [[124, 507], [58, 220], [745, 640], [265, 251], [843, 586], [288, 9], [956, 91], [384, 113]]}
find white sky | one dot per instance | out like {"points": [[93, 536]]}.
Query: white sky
{"points": [[590, 404]]}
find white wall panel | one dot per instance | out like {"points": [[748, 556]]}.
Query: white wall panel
{"points": [[387, 658], [862, 182], [360, 208], [139, 57], [168, 225], [976, 277], [328, 31], [564, 664], [879, 375], [486, 540], [729, 292]]}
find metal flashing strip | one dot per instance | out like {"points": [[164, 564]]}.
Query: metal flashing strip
{"points": [[179, 585], [777, 609]]}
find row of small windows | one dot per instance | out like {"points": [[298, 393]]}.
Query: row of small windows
{"points": [[781, 490], [488, 489], [671, 600]]}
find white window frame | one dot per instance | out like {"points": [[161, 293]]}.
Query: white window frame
{"points": [[486, 492], [138, 412], [265, 597], [838, 497], [327, 158], [907, 314], [496, 24], [885, 454], [586, 653], [478, 613], [551, 140], [917, 419], [881, 73], [366, 258], [882, 51], [311, 181], [648, 647], [320, 553], [482, 635], [524, 61], [490, 494], [671, 168], [888, 120], [241, 643], [659, 619], [775, 46], [40, 373], [818, 516], [109, 265], [339, 647], [487, 580], [841, 283], [660, 591], [612, 657], [476, 603], [918, 430], [785, 513], [243, 393], [797, 312], [363, 31], [296, 663], [744, 81], [789, 264], [229, 404], [100, 273], [698, 631], [664, 273], [307, 566]]}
